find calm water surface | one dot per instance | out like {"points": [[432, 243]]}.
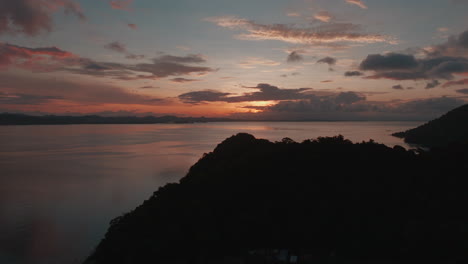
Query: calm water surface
{"points": [[61, 185]]}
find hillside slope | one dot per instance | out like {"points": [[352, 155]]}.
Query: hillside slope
{"points": [[325, 199], [448, 129]]}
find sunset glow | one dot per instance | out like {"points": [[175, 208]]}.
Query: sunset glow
{"points": [[340, 59]]}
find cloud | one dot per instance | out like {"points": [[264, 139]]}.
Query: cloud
{"points": [[266, 92], [353, 73], [318, 35], [25, 99], [432, 84], [191, 58], [31, 17], [323, 16], [293, 14], [398, 87], [117, 47], [462, 91], [359, 3], [454, 47], [397, 66], [453, 83], [121, 4], [148, 87], [329, 107], [183, 80], [327, 60], [434, 63], [252, 62], [203, 96], [132, 26], [121, 48], [52, 59], [294, 57], [392, 61], [40, 90], [37, 59]]}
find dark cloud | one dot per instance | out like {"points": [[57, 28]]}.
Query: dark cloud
{"points": [[327, 60], [51, 59], [348, 98], [353, 73], [392, 61], [266, 92], [407, 67], [132, 26], [122, 48], [183, 80], [203, 96], [440, 62], [328, 108], [343, 101], [148, 87], [191, 58], [294, 57], [432, 84], [134, 56], [462, 91], [117, 47], [398, 87], [454, 47], [31, 17]]}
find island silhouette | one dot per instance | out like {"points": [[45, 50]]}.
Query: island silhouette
{"points": [[451, 128], [326, 200]]}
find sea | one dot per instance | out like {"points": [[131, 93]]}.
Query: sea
{"points": [[61, 185]]}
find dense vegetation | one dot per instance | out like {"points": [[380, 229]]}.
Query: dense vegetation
{"points": [[21, 119], [326, 200], [449, 129]]}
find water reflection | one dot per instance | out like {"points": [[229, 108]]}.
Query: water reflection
{"points": [[61, 185]]}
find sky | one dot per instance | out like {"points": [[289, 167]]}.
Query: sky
{"points": [[255, 59]]}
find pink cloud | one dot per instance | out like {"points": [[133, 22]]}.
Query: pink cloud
{"points": [[41, 59], [121, 4], [453, 83], [359, 3]]}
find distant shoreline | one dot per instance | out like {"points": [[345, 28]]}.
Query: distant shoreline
{"points": [[7, 119]]}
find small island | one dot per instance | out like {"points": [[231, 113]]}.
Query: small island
{"points": [[326, 200]]}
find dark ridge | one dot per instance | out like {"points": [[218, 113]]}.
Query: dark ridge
{"points": [[451, 128], [21, 119], [320, 201]]}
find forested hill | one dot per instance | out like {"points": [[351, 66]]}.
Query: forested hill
{"points": [[322, 200], [448, 129]]}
